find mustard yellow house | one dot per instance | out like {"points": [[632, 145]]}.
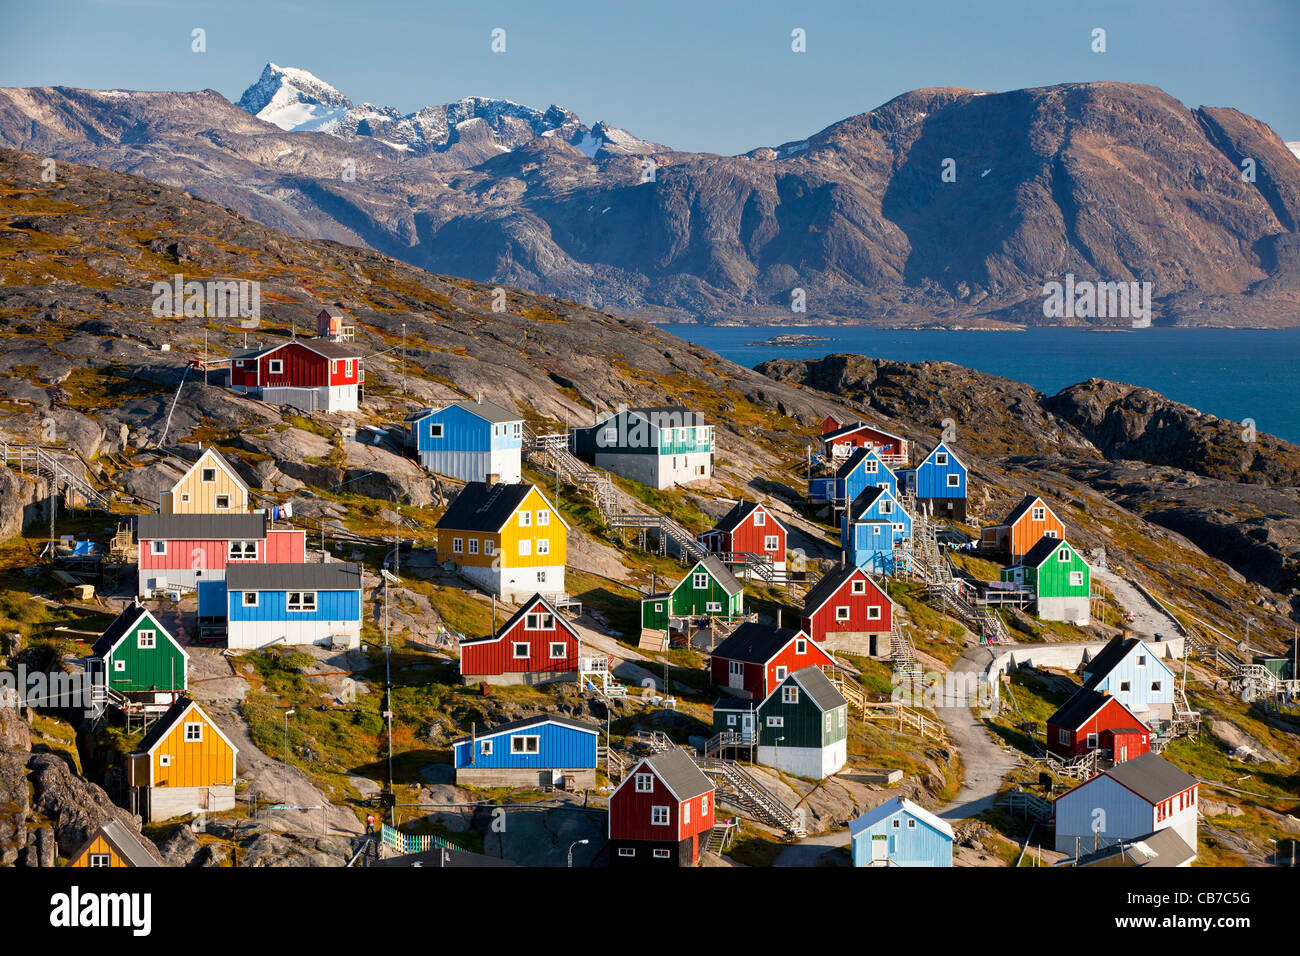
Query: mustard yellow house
{"points": [[210, 487], [185, 765], [506, 538], [114, 845]]}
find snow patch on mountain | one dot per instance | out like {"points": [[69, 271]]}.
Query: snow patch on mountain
{"points": [[1294, 146], [295, 100]]}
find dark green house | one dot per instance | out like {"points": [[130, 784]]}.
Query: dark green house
{"points": [[803, 725], [138, 658], [707, 590]]}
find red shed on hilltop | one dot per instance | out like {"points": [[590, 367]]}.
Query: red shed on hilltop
{"points": [[659, 812], [535, 646], [312, 374], [1094, 721], [839, 443]]}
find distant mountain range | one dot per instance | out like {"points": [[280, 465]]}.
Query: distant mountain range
{"points": [[1109, 182]]}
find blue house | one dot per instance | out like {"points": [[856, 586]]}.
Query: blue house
{"points": [[939, 484], [1133, 673], [876, 532], [899, 833], [469, 441], [292, 604], [541, 751], [863, 469]]}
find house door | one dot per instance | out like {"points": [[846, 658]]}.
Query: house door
{"points": [[1122, 755], [746, 728], [879, 847], [736, 674]]}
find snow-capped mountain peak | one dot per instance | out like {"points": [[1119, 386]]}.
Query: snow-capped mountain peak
{"points": [[294, 99]]}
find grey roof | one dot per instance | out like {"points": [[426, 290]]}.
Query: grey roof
{"points": [[1162, 848], [721, 573], [532, 722], [680, 774], [484, 507], [229, 527], [819, 687], [129, 844], [488, 411], [1151, 777], [331, 349], [334, 576]]}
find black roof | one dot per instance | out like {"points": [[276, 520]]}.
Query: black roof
{"points": [[1107, 659], [1151, 777], [855, 459], [163, 725], [1075, 711], [824, 589], [1018, 511], [334, 576], [680, 774], [819, 687], [865, 500], [533, 722], [113, 633], [738, 513], [1041, 551], [754, 643], [515, 618], [229, 527], [484, 507], [735, 703]]}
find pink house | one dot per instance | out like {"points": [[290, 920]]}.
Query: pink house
{"points": [[180, 551]]}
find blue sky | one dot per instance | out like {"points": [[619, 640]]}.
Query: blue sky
{"points": [[715, 76]]}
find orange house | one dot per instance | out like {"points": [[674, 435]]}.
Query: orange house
{"points": [[114, 845], [185, 765], [1029, 521]]}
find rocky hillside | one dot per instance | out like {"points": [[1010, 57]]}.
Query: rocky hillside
{"points": [[1107, 181], [1179, 468]]}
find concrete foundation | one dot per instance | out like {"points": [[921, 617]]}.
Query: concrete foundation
{"points": [[584, 779]]}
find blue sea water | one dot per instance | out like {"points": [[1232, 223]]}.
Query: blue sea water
{"points": [[1232, 373]]}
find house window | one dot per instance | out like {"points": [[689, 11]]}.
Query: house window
{"points": [[736, 668], [1092, 741], [830, 718], [100, 859], [525, 547], [334, 367], [626, 851], [485, 747], [473, 545], [610, 437], [250, 599], [1123, 686], [731, 720], [801, 646], [842, 612], [859, 587], [871, 468], [1039, 514], [243, 551], [457, 545], [772, 543], [895, 823], [1141, 660], [873, 613], [302, 601], [543, 545], [543, 518], [645, 783], [789, 695], [276, 366], [185, 499], [1155, 686], [659, 607], [941, 459], [558, 651], [1076, 579], [208, 475], [781, 673], [489, 546], [194, 733], [541, 577], [164, 760], [1049, 534], [119, 666], [525, 519], [776, 721], [518, 429], [538, 621], [435, 430], [954, 481], [713, 607], [347, 368], [1063, 737], [686, 813], [886, 507], [704, 804], [911, 824], [661, 854], [699, 581], [146, 640], [524, 743], [520, 650], [659, 816], [157, 547], [760, 519], [1063, 555]]}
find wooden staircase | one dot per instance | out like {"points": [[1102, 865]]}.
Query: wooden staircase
{"points": [[43, 463], [741, 789]]}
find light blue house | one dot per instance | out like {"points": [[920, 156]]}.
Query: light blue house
{"points": [[1132, 672], [899, 833], [469, 441], [863, 469], [876, 532], [939, 483], [539, 751], [292, 604]]}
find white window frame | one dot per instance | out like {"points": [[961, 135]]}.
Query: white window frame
{"points": [[954, 481], [100, 860], [543, 546], [713, 607], [843, 612], [760, 519], [859, 586], [772, 542], [525, 744], [485, 747], [457, 545], [561, 648], [1038, 514], [525, 519], [1076, 579], [275, 366], [659, 816], [699, 581], [941, 459], [539, 621], [249, 599], [164, 760], [203, 476], [1063, 737], [157, 547], [789, 695], [146, 644], [704, 804], [644, 783], [662, 854], [1093, 740], [514, 650], [801, 646], [543, 518], [686, 812], [185, 498], [525, 547], [305, 606], [473, 546], [435, 430], [774, 721], [193, 732], [119, 666], [237, 550], [626, 851], [1063, 556], [873, 612], [489, 547]]}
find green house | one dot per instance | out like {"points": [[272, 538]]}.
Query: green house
{"points": [[803, 725], [1059, 577], [137, 655], [707, 590]]}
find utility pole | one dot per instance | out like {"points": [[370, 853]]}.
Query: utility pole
{"points": [[287, 714], [403, 358]]}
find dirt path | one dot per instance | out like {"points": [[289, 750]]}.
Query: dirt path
{"points": [[1147, 619], [985, 761]]}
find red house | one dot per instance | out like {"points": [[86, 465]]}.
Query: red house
{"points": [[832, 422], [182, 551], [1094, 721], [748, 528], [840, 442], [313, 374], [848, 611], [756, 657], [659, 811], [536, 646]]}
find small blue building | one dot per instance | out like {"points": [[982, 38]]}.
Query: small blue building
{"points": [[292, 604], [863, 469], [939, 483], [876, 532], [1132, 672], [469, 441], [899, 833], [541, 751]]}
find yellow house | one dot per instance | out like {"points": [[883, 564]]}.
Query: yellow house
{"points": [[506, 538], [185, 765], [114, 845], [210, 487]]}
